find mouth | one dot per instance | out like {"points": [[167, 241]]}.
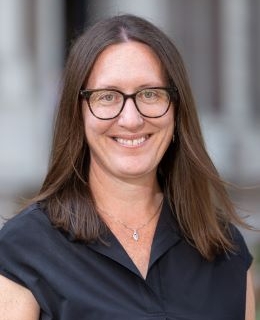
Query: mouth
{"points": [[132, 142]]}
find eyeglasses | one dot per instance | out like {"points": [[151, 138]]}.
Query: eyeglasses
{"points": [[107, 104]]}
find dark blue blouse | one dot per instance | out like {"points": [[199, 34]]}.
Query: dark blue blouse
{"points": [[72, 280]]}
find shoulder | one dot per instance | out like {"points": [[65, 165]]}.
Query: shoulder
{"points": [[27, 223], [26, 240], [30, 230], [240, 248], [25, 229]]}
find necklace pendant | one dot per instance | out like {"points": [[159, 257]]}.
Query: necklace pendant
{"points": [[135, 235]]}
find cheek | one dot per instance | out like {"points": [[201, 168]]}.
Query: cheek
{"points": [[93, 127], [168, 123], [90, 125], [169, 128]]}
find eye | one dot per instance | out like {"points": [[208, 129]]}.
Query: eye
{"points": [[106, 97], [148, 95]]}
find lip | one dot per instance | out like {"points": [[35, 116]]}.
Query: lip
{"points": [[132, 141]]}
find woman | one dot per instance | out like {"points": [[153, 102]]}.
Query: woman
{"points": [[132, 220]]}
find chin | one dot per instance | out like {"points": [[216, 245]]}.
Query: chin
{"points": [[135, 173]]}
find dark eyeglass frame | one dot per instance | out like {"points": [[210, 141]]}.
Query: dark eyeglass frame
{"points": [[172, 91]]}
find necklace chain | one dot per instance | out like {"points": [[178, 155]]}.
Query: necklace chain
{"points": [[135, 234]]}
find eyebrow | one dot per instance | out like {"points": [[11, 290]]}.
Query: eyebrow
{"points": [[141, 87]]}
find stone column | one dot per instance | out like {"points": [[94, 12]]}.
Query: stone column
{"points": [[31, 56], [235, 82]]}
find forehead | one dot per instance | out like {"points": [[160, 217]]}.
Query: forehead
{"points": [[130, 61]]}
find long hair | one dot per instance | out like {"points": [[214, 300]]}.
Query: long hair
{"points": [[186, 174]]}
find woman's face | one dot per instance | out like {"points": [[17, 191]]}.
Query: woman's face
{"points": [[129, 146]]}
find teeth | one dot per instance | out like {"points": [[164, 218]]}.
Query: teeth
{"points": [[128, 142]]}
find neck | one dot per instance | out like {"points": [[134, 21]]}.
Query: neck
{"points": [[127, 196]]}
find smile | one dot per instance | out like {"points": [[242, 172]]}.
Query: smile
{"points": [[131, 142]]}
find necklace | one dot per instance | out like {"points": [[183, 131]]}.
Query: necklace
{"points": [[135, 234]]}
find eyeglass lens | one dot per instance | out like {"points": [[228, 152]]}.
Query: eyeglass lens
{"points": [[150, 102]]}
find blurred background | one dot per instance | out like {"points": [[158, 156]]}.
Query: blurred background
{"points": [[220, 44]]}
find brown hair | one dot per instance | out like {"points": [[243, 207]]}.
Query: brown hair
{"points": [[187, 175]]}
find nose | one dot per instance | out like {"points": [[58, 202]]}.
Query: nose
{"points": [[130, 117]]}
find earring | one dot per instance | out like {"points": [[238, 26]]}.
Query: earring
{"points": [[173, 138]]}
